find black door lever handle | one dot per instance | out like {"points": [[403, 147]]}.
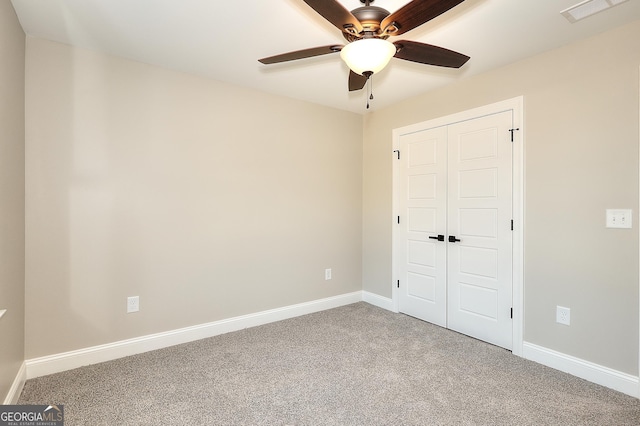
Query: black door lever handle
{"points": [[439, 238], [453, 239]]}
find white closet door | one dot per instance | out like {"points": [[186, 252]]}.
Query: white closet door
{"points": [[479, 216], [423, 203], [455, 182]]}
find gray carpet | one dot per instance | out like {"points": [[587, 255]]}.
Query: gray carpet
{"points": [[354, 365]]}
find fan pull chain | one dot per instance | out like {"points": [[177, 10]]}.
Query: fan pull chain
{"points": [[368, 91]]}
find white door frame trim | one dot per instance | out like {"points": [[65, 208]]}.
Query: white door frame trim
{"points": [[517, 106]]}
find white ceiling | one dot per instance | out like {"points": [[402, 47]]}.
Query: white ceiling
{"points": [[223, 39]]}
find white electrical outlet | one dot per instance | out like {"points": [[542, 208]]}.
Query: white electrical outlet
{"points": [[327, 274], [563, 315], [133, 304]]}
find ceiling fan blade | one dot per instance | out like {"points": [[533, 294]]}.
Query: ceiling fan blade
{"points": [[428, 54], [301, 54], [416, 13], [356, 81], [335, 13]]}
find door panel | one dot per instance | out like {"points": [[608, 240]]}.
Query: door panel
{"points": [[479, 215], [478, 301], [422, 287], [479, 262], [480, 183], [423, 203], [422, 219], [479, 222]]}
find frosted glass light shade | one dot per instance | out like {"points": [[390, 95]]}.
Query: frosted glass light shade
{"points": [[368, 54]]}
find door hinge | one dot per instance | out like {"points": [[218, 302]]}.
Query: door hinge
{"points": [[397, 151], [398, 283], [512, 224], [511, 313], [513, 130]]}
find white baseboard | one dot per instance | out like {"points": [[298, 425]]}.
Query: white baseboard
{"points": [[595, 373], [376, 300], [16, 387], [37, 367], [68, 360]]}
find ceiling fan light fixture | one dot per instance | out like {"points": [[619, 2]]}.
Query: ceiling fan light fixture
{"points": [[368, 55]]}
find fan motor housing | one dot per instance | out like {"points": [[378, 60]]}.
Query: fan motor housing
{"points": [[370, 17], [371, 14]]}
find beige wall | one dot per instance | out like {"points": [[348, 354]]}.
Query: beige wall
{"points": [[207, 200], [581, 157], [12, 48]]}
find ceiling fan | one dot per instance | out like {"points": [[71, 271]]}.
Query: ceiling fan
{"points": [[367, 29]]}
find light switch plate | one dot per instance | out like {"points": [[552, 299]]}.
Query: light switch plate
{"points": [[619, 218]]}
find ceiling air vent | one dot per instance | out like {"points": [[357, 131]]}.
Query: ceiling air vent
{"points": [[587, 8]]}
